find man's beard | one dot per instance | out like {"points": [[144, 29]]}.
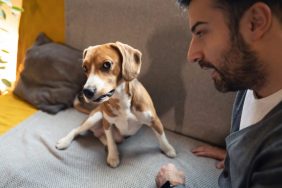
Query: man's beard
{"points": [[239, 68]]}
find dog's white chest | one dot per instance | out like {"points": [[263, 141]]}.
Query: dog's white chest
{"points": [[126, 121]]}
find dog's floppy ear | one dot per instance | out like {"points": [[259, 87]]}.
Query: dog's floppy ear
{"points": [[131, 61], [84, 53]]}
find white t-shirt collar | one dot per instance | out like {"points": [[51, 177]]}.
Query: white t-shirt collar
{"points": [[255, 109]]}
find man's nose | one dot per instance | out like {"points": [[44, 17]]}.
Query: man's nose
{"points": [[89, 92], [194, 54]]}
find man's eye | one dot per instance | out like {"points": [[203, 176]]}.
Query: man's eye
{"points": [[85, 69], [199, 34], [107, 65]]}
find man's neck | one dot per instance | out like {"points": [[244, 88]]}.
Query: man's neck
{"points": [[269, 89]]}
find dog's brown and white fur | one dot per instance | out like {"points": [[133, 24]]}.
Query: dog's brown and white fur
{"points": [[124, 104]]}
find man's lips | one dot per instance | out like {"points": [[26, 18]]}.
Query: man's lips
{"points": [[209, 67], [206, 66], [109, 94]]}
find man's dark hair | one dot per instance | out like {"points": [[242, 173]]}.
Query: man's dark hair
{"points": [[234, 9]]}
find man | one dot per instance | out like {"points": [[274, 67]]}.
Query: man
{"points": [[241, 41]]}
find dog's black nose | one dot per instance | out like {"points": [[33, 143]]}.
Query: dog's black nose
{"points": [[89, 93]]}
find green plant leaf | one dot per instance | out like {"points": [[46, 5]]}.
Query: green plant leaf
{"points": [[2, 61], [6, 82], [17, 9], [3, 14], [2, 67], [7, 2], [5, 51]]}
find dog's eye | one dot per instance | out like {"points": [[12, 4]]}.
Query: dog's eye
{"points": [[107, 65], [85, 69]]}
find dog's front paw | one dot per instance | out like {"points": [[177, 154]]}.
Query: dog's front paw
{"points": [[63, 143], [171, 153], [113, 161]]}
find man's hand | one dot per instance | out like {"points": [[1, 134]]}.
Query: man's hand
{"points": [[170, 173], [211, 152]]}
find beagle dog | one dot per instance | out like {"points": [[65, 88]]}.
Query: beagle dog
{"points": [[124, 105]]}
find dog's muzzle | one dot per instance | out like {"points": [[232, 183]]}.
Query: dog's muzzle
{"points": [[89, 93], [102, 97]]}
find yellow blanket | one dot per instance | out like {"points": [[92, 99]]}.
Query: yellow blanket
{"points": [[12, 111]]}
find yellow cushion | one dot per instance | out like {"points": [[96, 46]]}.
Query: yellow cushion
{"points": [[12, 111], [40, 16]]}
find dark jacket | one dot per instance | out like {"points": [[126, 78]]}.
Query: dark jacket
{"points": [[254, 154]]}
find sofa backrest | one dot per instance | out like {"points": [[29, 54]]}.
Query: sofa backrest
{"points": [[183, 94]]}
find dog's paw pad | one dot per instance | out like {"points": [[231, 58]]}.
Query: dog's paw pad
{"points": [[63, 144], [113, 162]]}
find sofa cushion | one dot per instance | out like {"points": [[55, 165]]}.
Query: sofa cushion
{"points": [[52, 75], [29, 157]]}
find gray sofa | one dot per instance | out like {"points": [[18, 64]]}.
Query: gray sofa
{"points": [[192, 111]]}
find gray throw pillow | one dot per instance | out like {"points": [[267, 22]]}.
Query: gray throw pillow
{"points": [[52, 75]]}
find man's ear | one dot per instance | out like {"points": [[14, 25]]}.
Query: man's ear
{"points": [[131, 60], [258, 19]]}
